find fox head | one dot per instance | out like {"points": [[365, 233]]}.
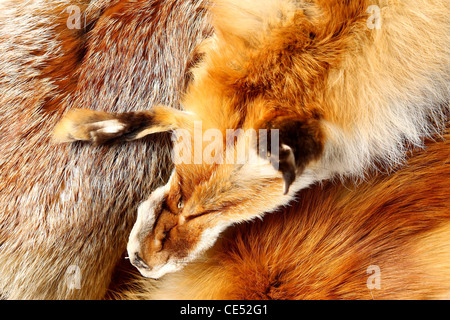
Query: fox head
{"points": [[232, 176]]}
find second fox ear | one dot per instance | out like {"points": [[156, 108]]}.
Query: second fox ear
{"points": [[101, 127], [300, 142]]}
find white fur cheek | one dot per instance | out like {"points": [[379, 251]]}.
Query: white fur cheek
{"points": [[162, 270], [207, 240], [146, 218], [208, 237]]}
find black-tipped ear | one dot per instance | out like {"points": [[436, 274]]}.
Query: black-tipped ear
{"points": [[102, 127], [299, 142]]}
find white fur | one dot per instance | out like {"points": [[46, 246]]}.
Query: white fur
{"points": [[109, 126], [145, 220], [161, 270]]}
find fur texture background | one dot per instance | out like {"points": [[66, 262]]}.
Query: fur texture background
{"points": [[73, 206], [377, 91]]}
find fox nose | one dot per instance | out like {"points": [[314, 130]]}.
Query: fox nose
{"points": [[138, 262]]}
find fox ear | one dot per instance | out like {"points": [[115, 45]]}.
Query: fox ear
{"points": [[300, 142], [102, 127]]}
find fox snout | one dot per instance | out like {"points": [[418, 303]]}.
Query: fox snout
{"points": [[143, 229], [153, 248]]}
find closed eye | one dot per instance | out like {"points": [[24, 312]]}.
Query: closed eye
{"points": [[225, 205], [195, 216]]}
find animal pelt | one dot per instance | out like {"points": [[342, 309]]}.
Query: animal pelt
{"points": [[329, 242], [66, 210], [346, 98]]}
